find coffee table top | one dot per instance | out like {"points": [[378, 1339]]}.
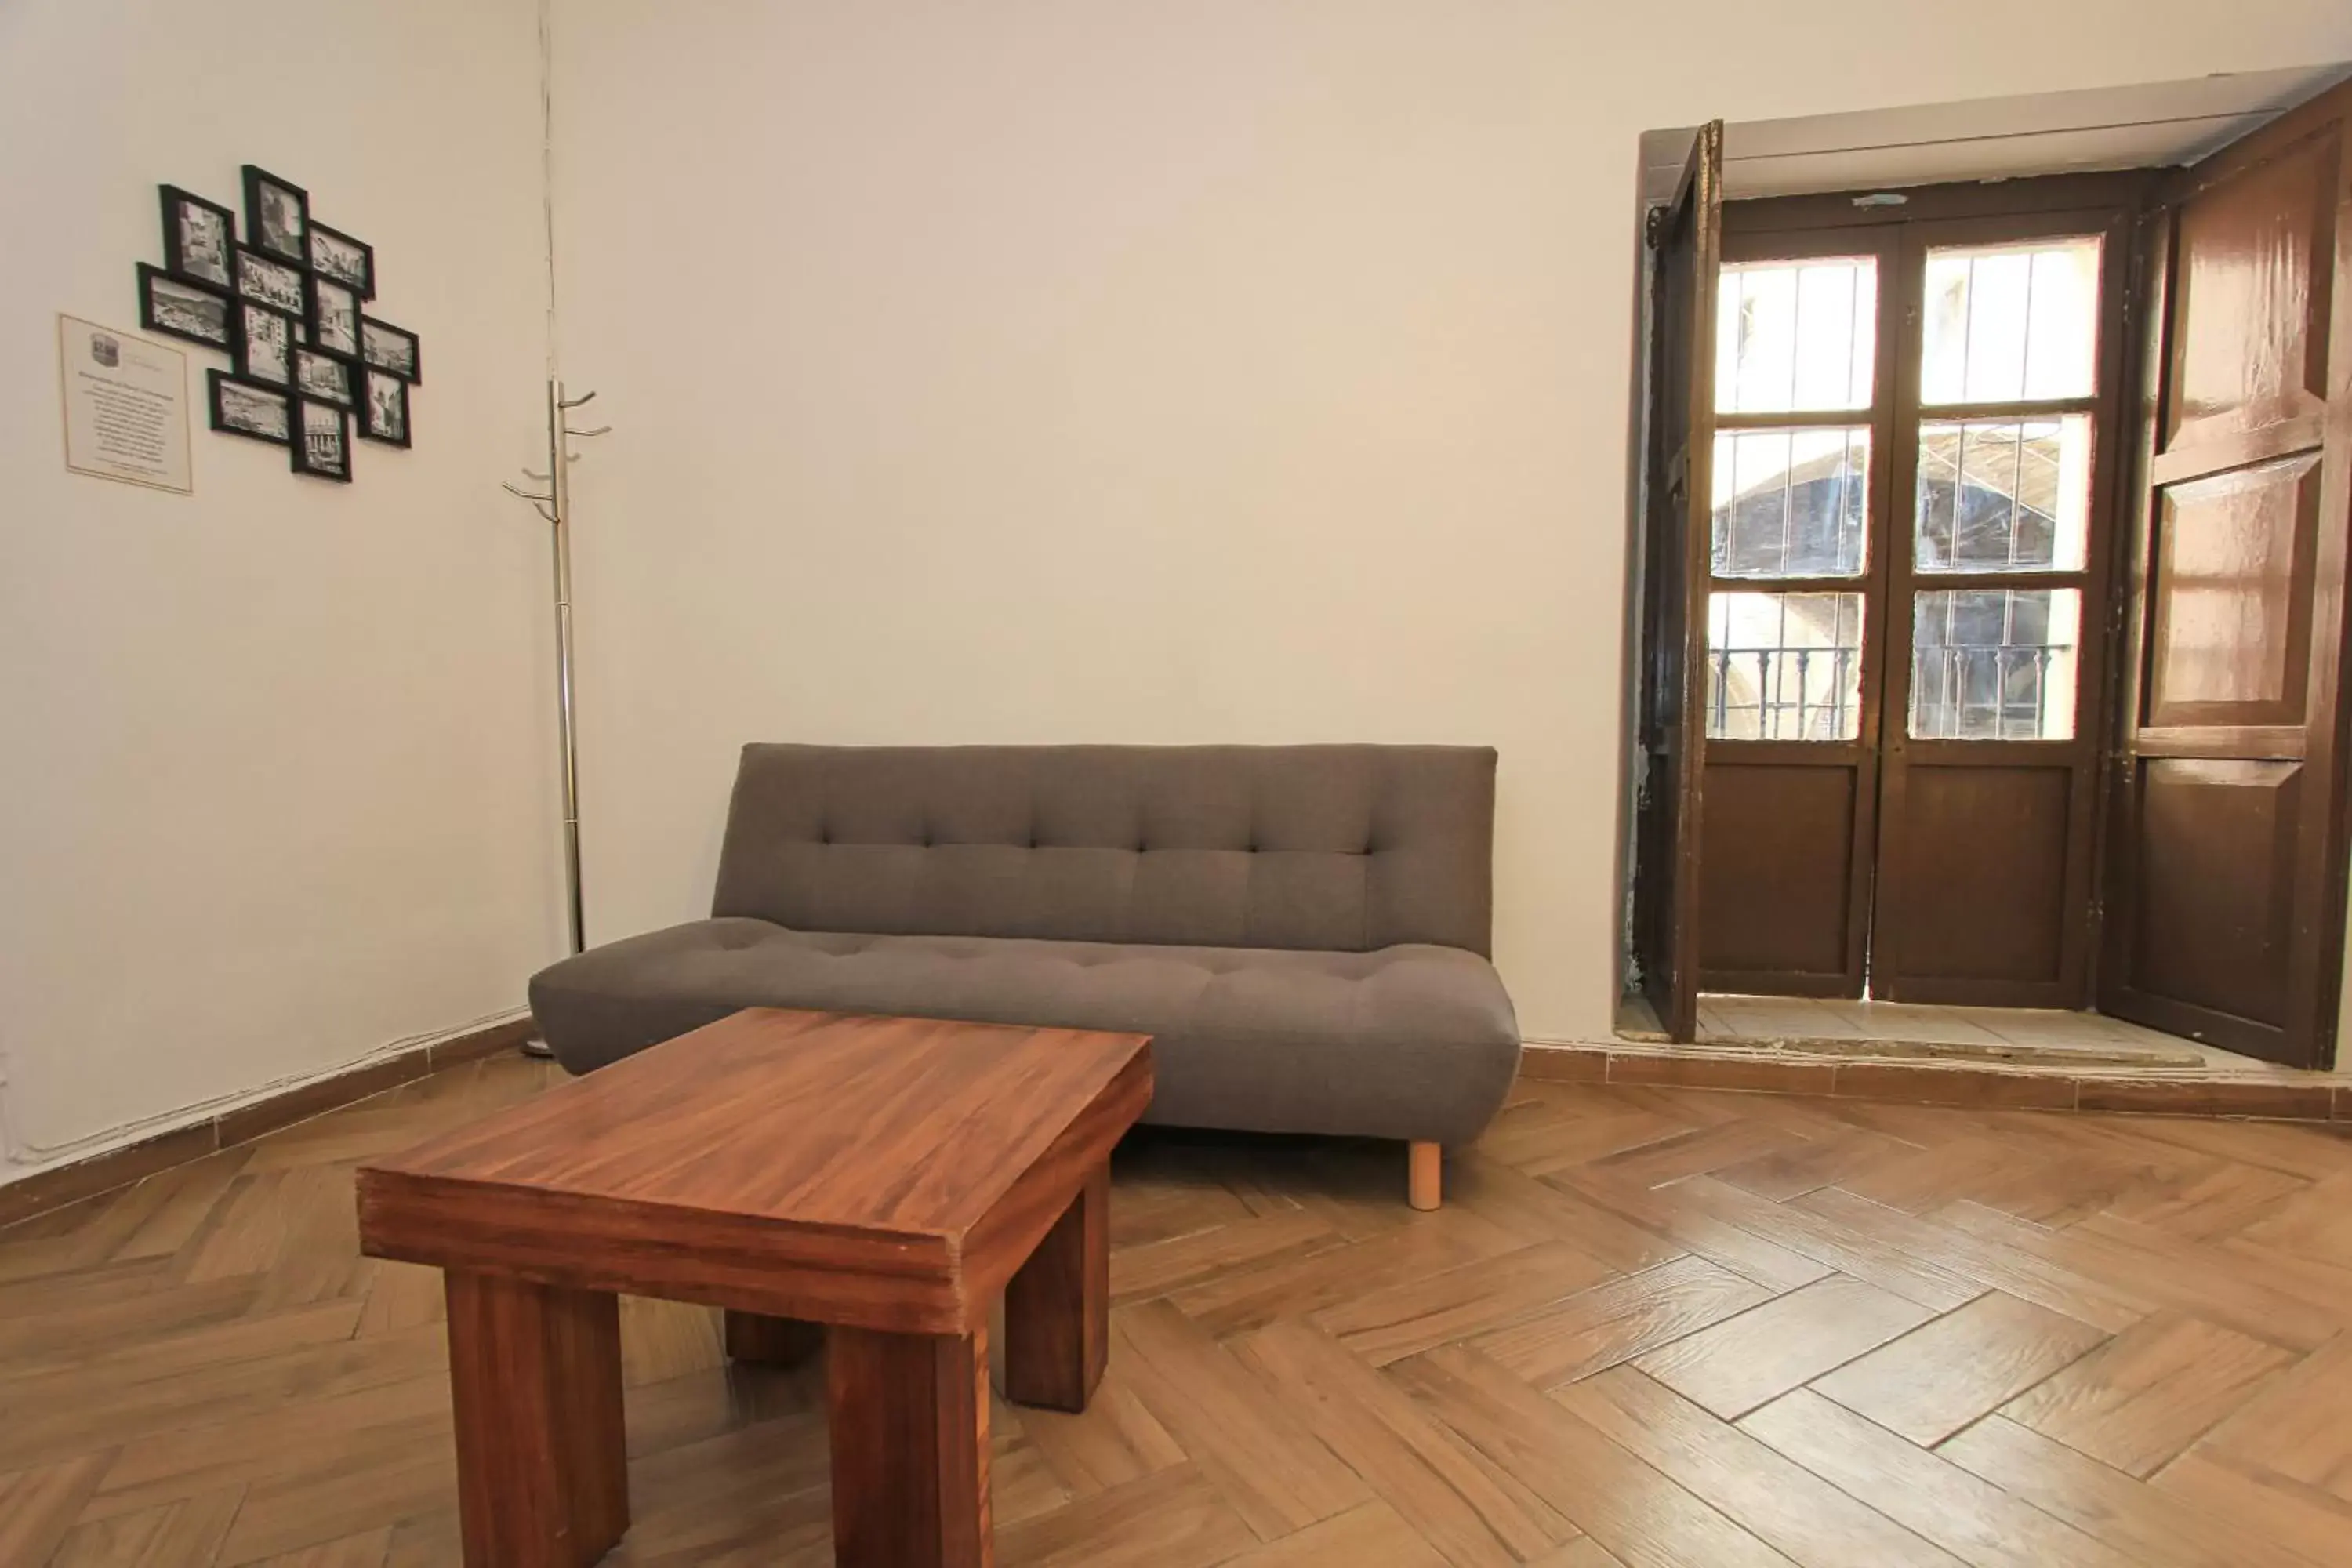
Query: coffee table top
{"points": [[906, 1150]]}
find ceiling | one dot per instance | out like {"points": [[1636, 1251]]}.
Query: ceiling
{"points": [[2139, 127]]}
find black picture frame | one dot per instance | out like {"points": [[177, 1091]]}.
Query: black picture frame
{"points": [[244, 315], [309, 457], [324, 388], [266, 280], [390, 360], [265, 227], [180, 296], [222, 383], [363, 283], [178, 259], [374, 382], [332, 310]]}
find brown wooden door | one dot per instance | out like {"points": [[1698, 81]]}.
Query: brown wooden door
{"points": [[1925, 826], [1686, 236], [2226, 846], [2007, 400], [1795, 624]]}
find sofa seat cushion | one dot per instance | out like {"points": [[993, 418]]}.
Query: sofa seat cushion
{"points": [[1411, 1041]]}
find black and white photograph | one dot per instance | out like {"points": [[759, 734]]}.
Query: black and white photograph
{"points": [[336, 255], [334, 317], [272, 283], [241, 408], [198, 236], [390, 348], [384, 417], [323, 445], [266, 340], [322, 376], [277, 215], [181, 309]]}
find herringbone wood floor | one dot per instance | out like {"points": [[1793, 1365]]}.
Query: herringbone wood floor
{"points": [[1648, 1328]]}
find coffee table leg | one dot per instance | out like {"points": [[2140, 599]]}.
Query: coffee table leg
{"points": [[771, 1342], [910, 1416], [535, 1378], [1057, 1307]]}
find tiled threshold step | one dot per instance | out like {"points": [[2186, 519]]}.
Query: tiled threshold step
{"points": [[2048, 1082]]}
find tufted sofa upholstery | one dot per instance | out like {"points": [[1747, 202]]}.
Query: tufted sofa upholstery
{"points": [[1303, 930]]}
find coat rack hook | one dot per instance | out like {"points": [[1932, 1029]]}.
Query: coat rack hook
{"points": [[511, 488], [575, 430], [576, 402]]}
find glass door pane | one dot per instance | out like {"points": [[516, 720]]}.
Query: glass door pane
{"points": [[1994, 664], [1794, 336], [1784, 666], [1792, 503], [2006, 323], [2002, 495]]}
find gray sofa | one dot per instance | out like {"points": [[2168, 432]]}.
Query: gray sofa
{"points": [[1303, 930]]}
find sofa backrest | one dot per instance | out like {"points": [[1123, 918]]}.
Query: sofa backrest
{"points": [[1334, 848]]}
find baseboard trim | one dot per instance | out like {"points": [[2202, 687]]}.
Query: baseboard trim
{"points": [[2280, 1095], [2297, 1097], [55, 1188]]}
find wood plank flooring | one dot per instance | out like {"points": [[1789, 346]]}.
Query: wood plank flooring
{"points": [[1650, 1327]]}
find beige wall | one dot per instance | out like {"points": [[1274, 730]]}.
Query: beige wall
{"points": [[1253, 369], [277, 758]]}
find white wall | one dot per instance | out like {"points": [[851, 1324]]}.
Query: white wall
{"points": [[275, 760], [1248, 370]]}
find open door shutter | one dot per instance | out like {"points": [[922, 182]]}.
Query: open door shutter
{"points": [[2226, 850], [1688, 238]]}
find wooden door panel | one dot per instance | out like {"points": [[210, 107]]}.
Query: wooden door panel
{"points": [[2217, 844], [1983, 858], [2226, 838], [1795, 630], [2254, 269], [2231, 639], [1687, 237], [1776, 880]]}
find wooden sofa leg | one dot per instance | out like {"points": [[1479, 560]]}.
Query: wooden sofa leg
{"points": [[1428, 1182]]}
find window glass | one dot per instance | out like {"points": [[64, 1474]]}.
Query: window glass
{"points": [[1784, 666], [1792, 503], [2003, 495], [1794, 335], [2004, 323], [1994, 664]]}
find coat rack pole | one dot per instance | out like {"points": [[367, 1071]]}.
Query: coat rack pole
{"points": [[555, 506], [560, 493]]}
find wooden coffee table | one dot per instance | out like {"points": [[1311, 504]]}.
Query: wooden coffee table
{"points": [[886, 1177]]}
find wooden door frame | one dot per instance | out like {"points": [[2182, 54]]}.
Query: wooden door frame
{"points": [[2106, 204], [2113, 693], [1865, 207]]}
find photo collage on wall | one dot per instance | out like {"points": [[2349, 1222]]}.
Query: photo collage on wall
{"points": [[288, 307]]}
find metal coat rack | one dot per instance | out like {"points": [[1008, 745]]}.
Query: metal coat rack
{"points": [[555, 505]]}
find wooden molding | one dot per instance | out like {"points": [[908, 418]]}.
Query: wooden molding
{"points": [[61, 1185], [2274, 1095], [2125, 189]]}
